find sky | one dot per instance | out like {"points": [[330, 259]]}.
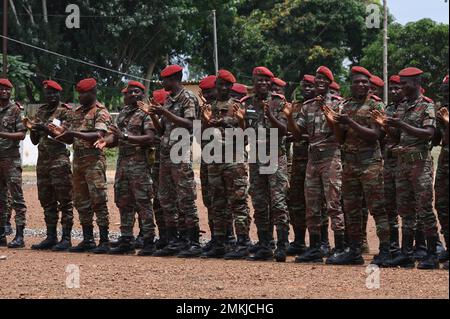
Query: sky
{"points": [[406, 11]]}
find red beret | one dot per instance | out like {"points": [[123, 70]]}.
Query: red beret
{"points": [[86, 85], [309, 78], [410, 72], [49, 84], [208, 83], [335, 86], [136, 84], [160, 96], [279, 82], [262, 70], [361, 70], [394, 79], [377, 81], [239, 88], [226, 76], [6, 82], [124, 90], [171, 70], [445, 81], [326, 71]]}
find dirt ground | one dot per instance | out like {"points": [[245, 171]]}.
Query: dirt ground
{"points": [[29, 274]]}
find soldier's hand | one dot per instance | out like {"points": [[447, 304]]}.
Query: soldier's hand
{"points": [[288, 110], [56, 130], [320, 100], [116, 131], [394, 122], [378, 118], [27, 123], [443, 115], [342, 119], [238, 112], [206, 112], [100, 143], [330, 115], [266, 108], [145, 107]]}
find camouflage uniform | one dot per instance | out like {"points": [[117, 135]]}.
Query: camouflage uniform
{"points": [[177, 188], [414, 178], [363, 174], [324, 170], [228, 182], [89, 166], [133, 183], [268, 191], [53, 171], [11, 165], [154, 164]]}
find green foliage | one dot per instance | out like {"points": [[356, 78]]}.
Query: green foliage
{"points": [[19, 72]]}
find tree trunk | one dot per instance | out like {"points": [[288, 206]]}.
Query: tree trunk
{"points": [[13, 9], [44, 10], [148, 76]]}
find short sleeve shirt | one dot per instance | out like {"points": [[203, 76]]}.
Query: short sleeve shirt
{"points": [[132, 120], [11, 122]]}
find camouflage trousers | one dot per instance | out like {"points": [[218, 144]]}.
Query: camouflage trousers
{"points": [[133, 193], [11, 180], [206, 194], [390, 200], [442, 192], [296, 193], [9, 208], [177, 193], [229, 191], [157, 209], [89, 189], [364, 179], [324, 183], [54, 183], [268, 193], [414, 186]]}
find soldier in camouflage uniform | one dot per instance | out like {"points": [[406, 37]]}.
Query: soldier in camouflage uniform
{"points": [[90, 122], [8, 227], [228, 181], [414, 126], [12, 131], [133, 134], [296, 193], [53, 171], [177, 188], [268, 190], [324, 169], [363, 168]]}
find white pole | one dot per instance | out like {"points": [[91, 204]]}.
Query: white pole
{"points": [[216, 54], [385, 51]]}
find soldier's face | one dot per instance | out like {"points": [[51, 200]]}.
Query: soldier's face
{"points": [[395, 92], [360, 85], [5, 93], [223, 89], [308, 90], [133, 95], [322, 84], [376, 90], [334, 92], [209, 95], [410, 85], [261, 84], [87, 98], [51, 96], [278, 89]]}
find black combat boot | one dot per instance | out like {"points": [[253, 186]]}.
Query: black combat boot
{"points": [[383, 257], [264, 252], [230, 239], [325, 242], [431, 261], [298, 246], [209, 245], [445, 265], [282, 244], [162, 240], [313, 254], [3, 241], [48, 242], [139, 244], [350, 256], [149, 247], [420, 247], [217, 250], [116, 243], [395, 242], [272, 243], [88, 243], [126, 247], [339, 240], [172, 241], [240, 250], [66, 240], [193, 248], [443, 257], [18, 241], [103, 245], [406, 258], [8, 228]]}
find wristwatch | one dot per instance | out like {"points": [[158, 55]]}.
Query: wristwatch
{"points": [[125, 136]]}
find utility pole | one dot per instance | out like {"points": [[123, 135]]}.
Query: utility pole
{"points": [[5, 41], [216, 54], [385, 52]]}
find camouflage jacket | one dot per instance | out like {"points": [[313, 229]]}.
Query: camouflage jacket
{"points": [[11, 122], [389, 142]]}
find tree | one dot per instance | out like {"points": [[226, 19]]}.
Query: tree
{"points": [[19, 73], [423, 44]]}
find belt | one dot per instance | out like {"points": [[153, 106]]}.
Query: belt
{"points": [[87, 152], [361, 156], [131, 151], [412, 157], [317, 156]]}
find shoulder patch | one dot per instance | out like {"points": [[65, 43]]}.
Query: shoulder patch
{"points": [[280, 96], [336, 97], [244, 99], [376, 98], [99, 105], [67, 106], [427, 99]]}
